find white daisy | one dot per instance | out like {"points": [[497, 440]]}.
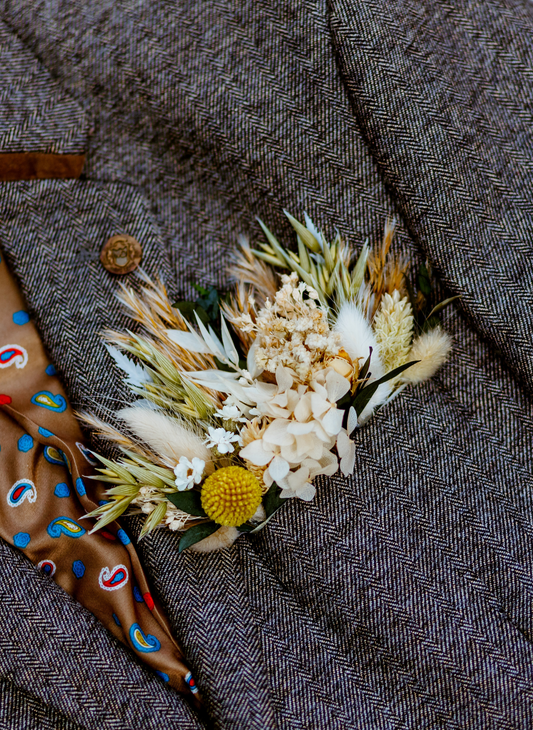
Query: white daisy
{"points": [[188, 473], [222, 439]]}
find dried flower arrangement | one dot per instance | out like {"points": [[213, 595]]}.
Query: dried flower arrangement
{"points": [[243, 401]]}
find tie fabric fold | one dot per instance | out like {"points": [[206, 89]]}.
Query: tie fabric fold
{"points": [[44, 495]]}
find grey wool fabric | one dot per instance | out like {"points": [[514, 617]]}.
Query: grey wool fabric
{"points": [[400, 598]]}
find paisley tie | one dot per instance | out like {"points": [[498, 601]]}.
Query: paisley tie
{"points": [[44, 493]]}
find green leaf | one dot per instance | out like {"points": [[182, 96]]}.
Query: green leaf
{"points": [[424, 282], [246, 528], [438, 307], [364, 370], [200, 289], [272, 501], [187, 310], [210, 302], [363, 397], [197, 533], [189, 502], [345, 402], [275, 504]]}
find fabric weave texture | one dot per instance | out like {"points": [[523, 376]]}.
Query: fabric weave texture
{"points": [[399, 598]]}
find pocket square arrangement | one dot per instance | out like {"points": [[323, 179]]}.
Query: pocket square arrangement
{"points": [[243, 399]]}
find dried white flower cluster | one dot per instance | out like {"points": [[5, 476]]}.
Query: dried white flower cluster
{"points": [[292, 331], [302, 427], [149, 498]]}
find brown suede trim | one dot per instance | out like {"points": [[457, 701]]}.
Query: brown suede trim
{"points": [[39, 166]]}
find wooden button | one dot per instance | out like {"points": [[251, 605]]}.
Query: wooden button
{"points": [[121, 254]]}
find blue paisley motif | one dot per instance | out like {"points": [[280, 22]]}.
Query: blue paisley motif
{"points": [[143, 642], [48, 400], [64, 526], [54, 456]]}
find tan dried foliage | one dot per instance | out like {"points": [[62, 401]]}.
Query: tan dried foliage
{"points": [[386, 270], [246, 269], [241, 302]]}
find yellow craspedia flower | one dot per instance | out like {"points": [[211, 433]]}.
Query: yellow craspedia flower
{"points": [[231, 495]]}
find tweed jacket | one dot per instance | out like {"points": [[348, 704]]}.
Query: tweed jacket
{"points": [[400, 598]]}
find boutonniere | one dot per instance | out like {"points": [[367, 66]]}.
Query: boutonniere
{"points": [[242, 400]]}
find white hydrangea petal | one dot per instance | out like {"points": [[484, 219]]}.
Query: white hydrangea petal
{"points": [[342, 443], [292, 400], [256, 453], [287, 494], [348, 462], [319, 387], [319, 405], [309, 444], [290, 453], [277, 433], [322, 434], [346, 450], [336, 385], [352, 420], [277, 412], [303, 410], [327, 465], [332, 421], [313, 465], [284, 378], [297, 429], [307, 492], [278, 468], [297, 479]]}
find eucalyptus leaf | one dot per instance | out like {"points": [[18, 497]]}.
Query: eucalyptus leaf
{"points": [[201, 290], [209, 300], [197, 533], [187, 309], [272, 501], [188, 501], [362, 399], [263, 524], [246, 528]]}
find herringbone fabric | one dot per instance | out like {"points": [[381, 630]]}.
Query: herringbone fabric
{"points": [[399, 598], [37, 113], [446, 106], [31, 713]]}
